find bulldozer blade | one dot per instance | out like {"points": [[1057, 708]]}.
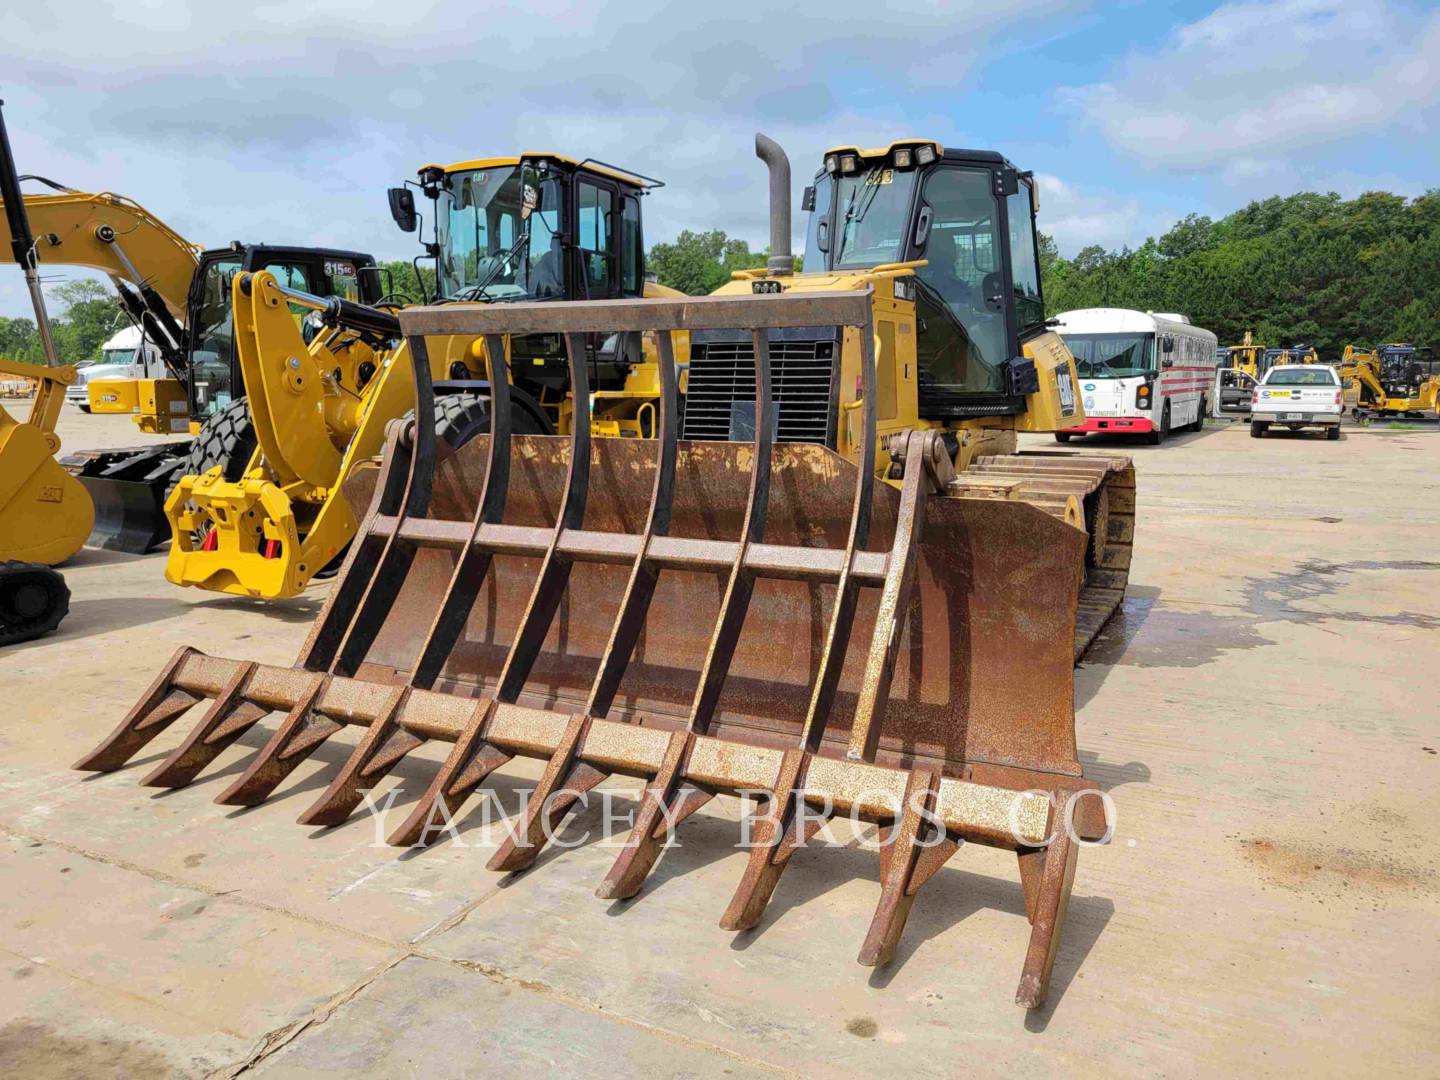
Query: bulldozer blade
{"points": [[128, 488], [757, 620]]}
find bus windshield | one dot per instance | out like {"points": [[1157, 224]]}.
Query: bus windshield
{"points": [[1112, 356]]}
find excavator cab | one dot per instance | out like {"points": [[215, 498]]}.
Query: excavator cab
{"points": [[214, 378]]}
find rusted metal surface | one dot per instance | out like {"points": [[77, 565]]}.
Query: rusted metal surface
{"points": [[713, 618]]}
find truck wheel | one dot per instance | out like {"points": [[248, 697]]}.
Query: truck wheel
{"points": [[1157, 436], [227, 440], [1332, 432], [1257, 429], [1062, 436]]}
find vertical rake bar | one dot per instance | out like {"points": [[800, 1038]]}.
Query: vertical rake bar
{"points": [[894, 596], [473, 565], [847, 593], [635, 604], [554, 573], [741, 584], [394, 559]]}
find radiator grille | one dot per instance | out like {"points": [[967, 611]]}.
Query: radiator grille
{"points": [[722, 377]]}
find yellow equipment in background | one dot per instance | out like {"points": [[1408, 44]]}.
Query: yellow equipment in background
{"points": [[1236, 374], [320, 408], [1394, 380], [45, 514]]}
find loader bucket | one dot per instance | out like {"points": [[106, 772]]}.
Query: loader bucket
{"points": [[713, 618], [128, 488]]}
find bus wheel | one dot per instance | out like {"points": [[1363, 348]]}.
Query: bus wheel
{"points": [[1062, 436], [1158, 434]]}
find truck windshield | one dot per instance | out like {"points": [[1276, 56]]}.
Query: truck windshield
{"points": [[1111, 356], [499, 234], [872, 213], [118, 356]]}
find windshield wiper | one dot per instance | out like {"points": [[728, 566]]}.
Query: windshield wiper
{"points": [[477, 291]]}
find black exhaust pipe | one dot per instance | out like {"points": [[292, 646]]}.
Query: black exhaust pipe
{"points": [[782, 259]]}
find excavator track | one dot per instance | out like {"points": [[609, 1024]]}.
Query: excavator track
{"points": [[1098, 489], [33, 600]]}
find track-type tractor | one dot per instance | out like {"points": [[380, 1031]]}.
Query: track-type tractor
{"points": [[831, 584]]}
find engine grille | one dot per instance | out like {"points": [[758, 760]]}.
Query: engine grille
{"points": [[720, 390]]}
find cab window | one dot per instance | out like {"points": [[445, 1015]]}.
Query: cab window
{"points": [[595, 206], [631, 246], [1024, 269], [961, 302]]}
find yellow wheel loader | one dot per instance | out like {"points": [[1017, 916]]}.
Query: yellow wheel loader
{"points": [[178, 295], [827, 585], [45, 514], [1395, 380], [531, 227]]}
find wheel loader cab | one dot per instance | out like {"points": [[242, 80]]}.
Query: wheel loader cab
{"points": [[214, 369], [537, 226], [970, 215]]}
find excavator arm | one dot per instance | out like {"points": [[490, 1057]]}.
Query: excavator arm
{"points": [[116, 236]]}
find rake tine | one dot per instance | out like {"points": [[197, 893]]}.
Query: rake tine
{"points": [[562, 784], [159, 707], [381, 749], [1052, 897], [908, 859], [294, 740], [780, 834], [471, 760], [665, 804], [228, 717]]}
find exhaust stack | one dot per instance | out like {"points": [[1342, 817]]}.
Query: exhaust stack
{"points": [[782, 259]]}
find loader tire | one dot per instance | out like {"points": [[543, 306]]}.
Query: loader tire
{"points": [[461, 417], [227, 440], [33, 600]]}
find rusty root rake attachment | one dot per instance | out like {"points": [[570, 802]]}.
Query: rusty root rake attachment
{"points": [[710, 617]]}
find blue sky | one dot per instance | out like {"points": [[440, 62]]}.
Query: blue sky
{"points": [[286, 122]]}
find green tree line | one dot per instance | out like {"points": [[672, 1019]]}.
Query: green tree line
{"points": [[85, 314], [1306, 268]]}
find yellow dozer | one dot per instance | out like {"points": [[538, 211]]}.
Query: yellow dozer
{"points": [[45, 515], [319, 408], [828, 585]]}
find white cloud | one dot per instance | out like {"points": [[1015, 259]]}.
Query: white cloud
{"points": [[1077, 217], [286, 122], [1253, 82]]}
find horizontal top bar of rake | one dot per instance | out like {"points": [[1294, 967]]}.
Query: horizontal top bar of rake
{"points": [[744, 312]]}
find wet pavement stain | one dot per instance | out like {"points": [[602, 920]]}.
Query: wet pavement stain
{"points": [[1143, 634], [34, 1050], [1276, 598]]}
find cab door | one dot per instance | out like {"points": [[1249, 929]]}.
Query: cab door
{"points": [[596, 266]]}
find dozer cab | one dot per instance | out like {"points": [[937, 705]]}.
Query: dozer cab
{"points": [[871, 615], [537, 227], [1395, 380]]}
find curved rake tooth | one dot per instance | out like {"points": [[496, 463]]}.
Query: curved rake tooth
{"points": [[471, 760], [1047, 913], [563, 782], [909, 857], [297, 737], [777, 838], [159, 707], [228, 717], [666, 803], [384, 744]]}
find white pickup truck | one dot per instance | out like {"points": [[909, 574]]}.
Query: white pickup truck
{"points": [[1297, 396]]}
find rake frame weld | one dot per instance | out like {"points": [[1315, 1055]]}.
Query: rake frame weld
{"points": [[926, 804]]}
